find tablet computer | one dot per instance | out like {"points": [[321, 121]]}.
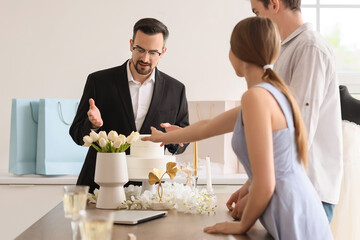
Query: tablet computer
{"points": [[131, 217]]}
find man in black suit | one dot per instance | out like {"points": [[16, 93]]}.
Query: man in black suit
{"points": [[131, 97]]}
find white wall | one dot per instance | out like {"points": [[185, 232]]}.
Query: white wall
{"points": [[48, 47]]}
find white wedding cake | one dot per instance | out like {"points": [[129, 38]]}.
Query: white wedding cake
{"points": [[144, 157]]}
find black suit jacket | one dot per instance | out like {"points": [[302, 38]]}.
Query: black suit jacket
{"points": [[110, 90]]}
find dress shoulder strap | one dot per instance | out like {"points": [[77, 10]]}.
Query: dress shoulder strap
{"points": [[282, 100]]}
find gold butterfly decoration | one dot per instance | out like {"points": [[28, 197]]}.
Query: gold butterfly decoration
{"points": [[171, 169], [157, 175]]}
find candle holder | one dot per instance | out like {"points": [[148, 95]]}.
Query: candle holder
{"points": [[194, 180]]}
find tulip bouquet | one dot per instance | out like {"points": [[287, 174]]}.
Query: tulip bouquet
{"points": [[110, 143]]}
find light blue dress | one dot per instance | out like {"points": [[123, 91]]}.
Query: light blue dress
{"points": [[295, 210]]}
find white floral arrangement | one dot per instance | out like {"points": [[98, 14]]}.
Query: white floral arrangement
{"points": [[109, 143], [176, 196]]}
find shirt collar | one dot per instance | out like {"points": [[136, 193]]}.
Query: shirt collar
{"points": [[151, 78], [302, 28]]}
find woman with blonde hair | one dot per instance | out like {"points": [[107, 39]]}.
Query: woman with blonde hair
{"points": [[269, 138]]}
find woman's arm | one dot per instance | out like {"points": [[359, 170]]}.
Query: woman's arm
{"points": [[221, 124], [258, 133]]}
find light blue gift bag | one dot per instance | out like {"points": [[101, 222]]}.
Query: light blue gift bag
{"points": [[23, 136], [57, 153]]}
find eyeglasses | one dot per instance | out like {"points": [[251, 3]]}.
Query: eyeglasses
{"points": [[141, 52]]}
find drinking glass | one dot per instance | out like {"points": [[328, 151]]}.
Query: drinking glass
{"points": [[96, 224], [74, 200]]}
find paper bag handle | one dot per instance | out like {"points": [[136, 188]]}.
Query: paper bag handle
{"points": [[32, 113], [61, 115]]}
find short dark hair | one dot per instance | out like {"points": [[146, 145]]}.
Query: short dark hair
{"points": [[151, 26], [294, 5]]}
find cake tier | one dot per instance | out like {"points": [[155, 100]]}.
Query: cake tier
{"points": [[146, 149], [139, 168]]}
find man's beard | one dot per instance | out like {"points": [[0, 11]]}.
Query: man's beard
{"points": [[141, 70]]}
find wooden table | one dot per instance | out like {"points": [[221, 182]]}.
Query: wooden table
{"points": [[175, 225]]}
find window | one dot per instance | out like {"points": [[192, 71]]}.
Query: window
{"points": [[337, 21]]}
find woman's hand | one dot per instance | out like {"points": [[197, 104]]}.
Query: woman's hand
{"points": [[239, 207], [168, 128], [233, 200], [225, 228], [156, 136], [237, 201]]}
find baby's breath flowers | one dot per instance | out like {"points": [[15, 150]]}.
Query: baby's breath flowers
{"points": [[176, 196]]}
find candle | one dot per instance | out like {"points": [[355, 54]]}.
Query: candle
{"points": [[208, 175], [195, 160]]}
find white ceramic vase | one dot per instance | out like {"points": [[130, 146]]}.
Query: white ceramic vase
{"points": [[111, 174]]}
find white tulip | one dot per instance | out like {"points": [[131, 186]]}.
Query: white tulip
{"points": [[113, 135], [122, 138], [102, 134], [94, 136], [87, 141], [87, 145], [133, 137], [102, 142], [119, 141], [117, 144]]}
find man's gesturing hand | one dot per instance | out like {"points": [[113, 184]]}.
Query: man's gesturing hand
{"points": [[94, 115]]}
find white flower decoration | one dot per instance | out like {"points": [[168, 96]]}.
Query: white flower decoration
{"points": [[87, 141], [102, 142], [102, 134], [177, 196], [94, 136], [113, 135], [111, 143], [133, 137]]}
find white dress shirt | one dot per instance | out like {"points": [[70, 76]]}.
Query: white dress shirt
{"points": [[307, 64], [141, 95]]}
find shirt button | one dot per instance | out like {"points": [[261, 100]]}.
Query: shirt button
{"points": [[307, 104]]}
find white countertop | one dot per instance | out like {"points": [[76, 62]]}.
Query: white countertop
{"points": [[34, 179]]}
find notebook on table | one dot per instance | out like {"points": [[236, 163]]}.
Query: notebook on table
{"points": [[131, 217]]}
